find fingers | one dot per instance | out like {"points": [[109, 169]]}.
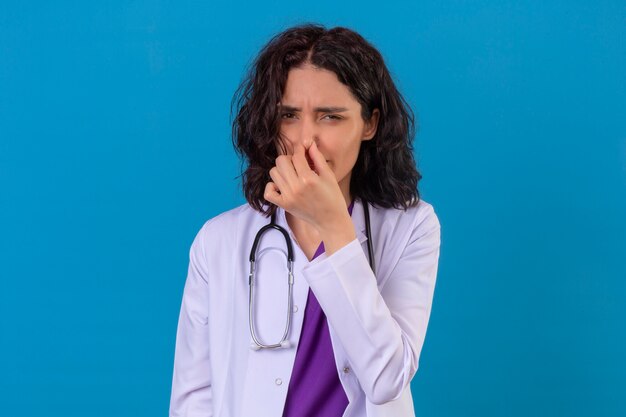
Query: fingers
{"points": [[272, 194], [280, 183], [289, 176], [321, 166], [300, 162], [293, 169]]}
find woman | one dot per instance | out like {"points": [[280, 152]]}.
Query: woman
{"points": [[328, 140]]}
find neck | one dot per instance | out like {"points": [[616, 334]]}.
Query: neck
{"points": [[345, 190]]}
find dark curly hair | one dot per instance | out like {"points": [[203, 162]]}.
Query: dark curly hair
{"points": [[385, 173]]}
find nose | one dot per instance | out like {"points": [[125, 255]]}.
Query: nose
{"points": [[307, 132]]}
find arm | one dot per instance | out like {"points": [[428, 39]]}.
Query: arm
{"points": [[382, 331], [191, 394]]}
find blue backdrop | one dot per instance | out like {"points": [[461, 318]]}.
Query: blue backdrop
{"points": [[115, 148]]}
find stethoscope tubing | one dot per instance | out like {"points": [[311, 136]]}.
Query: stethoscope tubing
{"points": [[283, 343]]}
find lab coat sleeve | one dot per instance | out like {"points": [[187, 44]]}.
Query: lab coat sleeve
{"points": [[191, 394], [382, 331]]}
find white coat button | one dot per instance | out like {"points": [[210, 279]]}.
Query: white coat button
{"points": [[346, 369], [295, 308], [278, 381]]}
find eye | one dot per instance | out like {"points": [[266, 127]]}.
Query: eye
{"points": [[286, 114], [334, 117]]}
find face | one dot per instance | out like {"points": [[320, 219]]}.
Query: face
{"points": [[316, 106]]}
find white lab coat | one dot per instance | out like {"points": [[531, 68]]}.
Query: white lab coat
{"points": [[377, 324]]}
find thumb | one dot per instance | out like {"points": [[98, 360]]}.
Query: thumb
{"points": [[319, 161]]}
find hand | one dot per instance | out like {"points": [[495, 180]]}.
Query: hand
{"points": [[312, 195]]}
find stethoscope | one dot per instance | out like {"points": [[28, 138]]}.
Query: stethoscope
{"points": [[284, 343]]}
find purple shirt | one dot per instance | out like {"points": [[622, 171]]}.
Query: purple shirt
{"points": [[314, 388]]}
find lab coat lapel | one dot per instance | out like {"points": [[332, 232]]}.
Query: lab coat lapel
{"points": [[358, 219]]}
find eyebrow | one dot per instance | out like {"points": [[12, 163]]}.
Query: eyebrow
{"points": [[325, 109]]}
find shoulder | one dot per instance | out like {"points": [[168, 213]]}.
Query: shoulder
{"points": [[424, 219], [404, 235], [225, 220], [223, 226], [417, 220]]}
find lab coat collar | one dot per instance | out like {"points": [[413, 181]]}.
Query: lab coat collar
{"points": [[358, 220]]}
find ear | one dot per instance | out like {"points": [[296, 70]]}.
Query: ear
{"points": [[371, 125]]}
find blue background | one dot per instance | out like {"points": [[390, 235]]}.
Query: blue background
{"points": [[115, 148]]}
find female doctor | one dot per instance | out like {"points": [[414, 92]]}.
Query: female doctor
{"points": [[334, 324]]}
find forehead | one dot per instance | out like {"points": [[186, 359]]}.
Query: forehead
{"points": [[316, 86]]}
